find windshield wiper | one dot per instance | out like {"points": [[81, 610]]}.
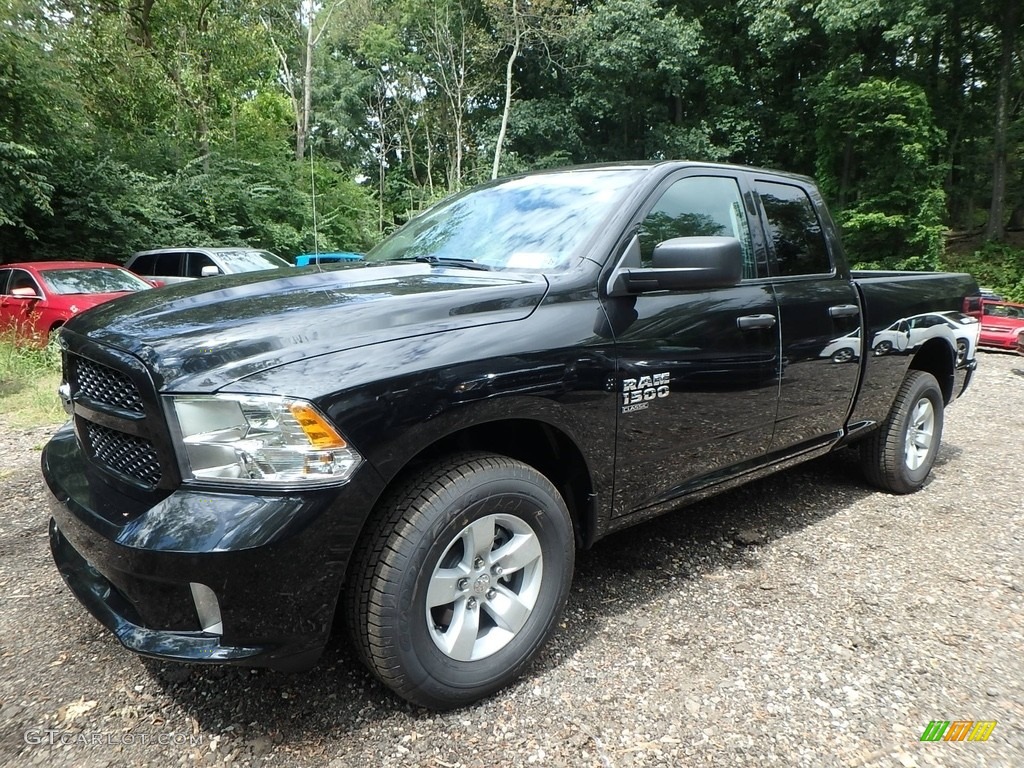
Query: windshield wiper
{"points": [[448, 261]]}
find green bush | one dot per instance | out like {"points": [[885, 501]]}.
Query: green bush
{"points": [[994, 265]]}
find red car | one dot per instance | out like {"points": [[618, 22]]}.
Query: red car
{"points": [[1001, 324], [36, 298]]}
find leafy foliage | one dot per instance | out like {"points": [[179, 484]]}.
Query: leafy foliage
{"points": [[998, 266], [132, 125], [878, 150]]}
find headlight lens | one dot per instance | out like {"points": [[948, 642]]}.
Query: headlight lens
{"points": [[255, 438]]}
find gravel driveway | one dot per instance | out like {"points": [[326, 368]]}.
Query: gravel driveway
{"points": [[803, 620]]}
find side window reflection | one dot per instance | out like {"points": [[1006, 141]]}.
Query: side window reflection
{"points": [[699, 206], [794, 230]]}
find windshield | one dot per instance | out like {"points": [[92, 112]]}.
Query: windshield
{"points": [[96, 280], [537, 222], [1005, 310], [250, 261]]}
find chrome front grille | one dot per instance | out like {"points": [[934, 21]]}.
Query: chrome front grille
{"points": [[127, 454], [105, 385]]}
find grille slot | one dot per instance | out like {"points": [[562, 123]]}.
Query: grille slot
{"points": [[105, 385], [127, 454]]}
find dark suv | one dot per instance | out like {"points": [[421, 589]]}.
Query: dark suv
{"points": [[177, 265]]}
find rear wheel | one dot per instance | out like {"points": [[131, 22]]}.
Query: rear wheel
{"points": [[898, 456], [460, 580]]}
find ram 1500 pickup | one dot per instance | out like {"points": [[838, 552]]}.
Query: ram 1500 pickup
{"points": [[420, 442]]}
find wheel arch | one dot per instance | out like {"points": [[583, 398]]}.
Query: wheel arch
{"points": [[537, 436], [938, 358], [545, 446]]}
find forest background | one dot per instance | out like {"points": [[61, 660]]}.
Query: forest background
{"points": [[131, 124]]}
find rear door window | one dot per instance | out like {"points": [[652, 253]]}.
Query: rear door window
{"points": [[794, 230], [169, 264], [145, 264]]}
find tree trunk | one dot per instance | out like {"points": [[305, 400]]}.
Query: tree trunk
{"points": [[206, 97], [954, 94], [508, 89], [844, 178], [430, 157], [995, 231], [302, 123]]}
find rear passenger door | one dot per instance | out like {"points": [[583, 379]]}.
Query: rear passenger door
{"points": [[819, 308]]}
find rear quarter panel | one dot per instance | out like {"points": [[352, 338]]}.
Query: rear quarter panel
{"points": [[888, 297]]}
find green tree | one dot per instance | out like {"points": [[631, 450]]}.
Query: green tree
{"points": [[879, 160]]}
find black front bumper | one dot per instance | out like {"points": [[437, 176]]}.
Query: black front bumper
{"points": [[276, 562]]}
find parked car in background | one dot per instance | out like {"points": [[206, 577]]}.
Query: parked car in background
{"points": [[36, 298], [1001, 324], [844, 349], [966, 330], [178, 265], [960, 329], [305, 259]]}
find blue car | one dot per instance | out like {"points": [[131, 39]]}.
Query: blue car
{"points": [[326, 258]]}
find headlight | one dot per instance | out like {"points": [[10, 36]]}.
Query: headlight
{"points": [[254, 438]]}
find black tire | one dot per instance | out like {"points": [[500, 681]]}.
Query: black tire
{"points": [[424, 532], [894, 457]]}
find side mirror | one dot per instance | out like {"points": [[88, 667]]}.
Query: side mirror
{"points": [[210, 271], [684, 264], [25, 293]]}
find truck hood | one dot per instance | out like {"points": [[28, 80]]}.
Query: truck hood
{"points": [[205, 334]]}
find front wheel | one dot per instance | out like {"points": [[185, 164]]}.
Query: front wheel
{"points": [[898, 456], [464, 572]]}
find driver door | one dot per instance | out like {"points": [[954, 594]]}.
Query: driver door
{"points": [[698, 370]]}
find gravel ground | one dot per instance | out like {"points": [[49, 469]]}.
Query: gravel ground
{"points": [[803, 620]]}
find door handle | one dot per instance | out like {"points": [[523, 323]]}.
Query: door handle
{"points": [[752, 322], [844, 310]]}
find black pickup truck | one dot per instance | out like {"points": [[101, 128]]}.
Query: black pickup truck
{"points": [[420, 442]]}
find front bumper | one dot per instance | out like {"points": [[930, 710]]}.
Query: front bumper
{"points": [[275, 563], [1000, 339]]}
